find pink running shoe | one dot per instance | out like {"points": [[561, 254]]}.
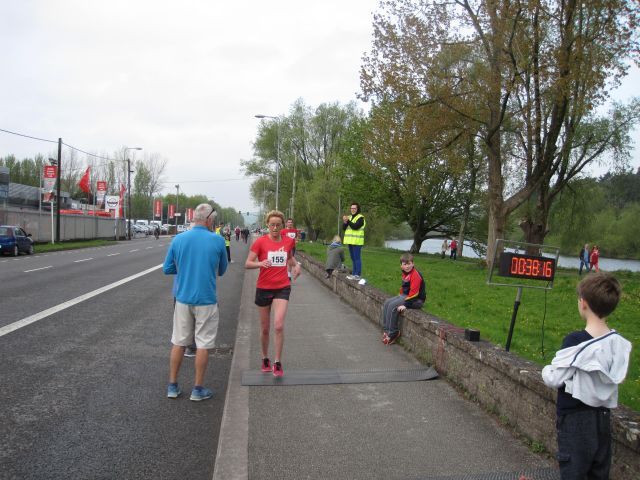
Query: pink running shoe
{"points": [[277, 369], [266, 365]]}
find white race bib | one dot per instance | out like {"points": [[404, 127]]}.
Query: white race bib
{"points": [[292, 235], [277, 259]]}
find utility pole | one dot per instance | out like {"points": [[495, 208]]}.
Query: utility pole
{"points": [[58, 197]]}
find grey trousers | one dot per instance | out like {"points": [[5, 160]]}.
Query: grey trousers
{"points": [[390, 314]]}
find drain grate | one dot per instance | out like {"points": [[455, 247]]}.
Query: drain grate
{"points": [[221, 351]]}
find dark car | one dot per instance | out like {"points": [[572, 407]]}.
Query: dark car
{"points": [[14, 240]]}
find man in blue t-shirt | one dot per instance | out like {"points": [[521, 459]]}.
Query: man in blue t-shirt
{"points": [[196, 257]]}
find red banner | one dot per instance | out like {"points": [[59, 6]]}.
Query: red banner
{"points": [[189, 214], [172, 211], [84, 182], [50, 176], [157, 208], [123, 189], [101, 186], [50, 171]]}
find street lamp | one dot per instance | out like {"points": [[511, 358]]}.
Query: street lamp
{"points": [[277, 153], [176, 215], [129, 171]]}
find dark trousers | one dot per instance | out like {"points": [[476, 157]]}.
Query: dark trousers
{"points": [[584, 445], [228, 253]]}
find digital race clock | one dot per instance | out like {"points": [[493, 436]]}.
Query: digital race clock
{"points": [[527, 266]]}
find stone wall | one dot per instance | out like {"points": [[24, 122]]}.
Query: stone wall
{"points": [[503, 383]]}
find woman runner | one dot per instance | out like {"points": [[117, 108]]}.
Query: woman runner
{"points": [[271, 253]]}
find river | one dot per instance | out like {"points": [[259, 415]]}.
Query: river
{"points": [[433, 246]]}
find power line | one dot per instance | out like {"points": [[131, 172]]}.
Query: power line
{"points": [[28, 136], [206, 181], [55, 141]]}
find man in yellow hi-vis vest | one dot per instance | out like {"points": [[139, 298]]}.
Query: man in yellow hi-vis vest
{"points": [[353, 227]]}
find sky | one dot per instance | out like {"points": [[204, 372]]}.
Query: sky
{"points": [[183, 80]]}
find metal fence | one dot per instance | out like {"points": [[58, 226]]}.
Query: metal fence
{"points": [[72, 227]]}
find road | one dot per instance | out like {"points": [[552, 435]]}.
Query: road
{"points": [[83, 387]]}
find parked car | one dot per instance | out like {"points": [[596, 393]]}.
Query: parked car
{"points": [[14, 240], [164, 229]]}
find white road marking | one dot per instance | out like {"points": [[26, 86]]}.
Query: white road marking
{"points": [[113, 254], [36, 269], [83, 260], [70, 303], [136, 250]]}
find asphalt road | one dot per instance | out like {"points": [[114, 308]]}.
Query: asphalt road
{"points": [[83, 390]]}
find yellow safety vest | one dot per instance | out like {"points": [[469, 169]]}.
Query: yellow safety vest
{"points": [[355, 237]]}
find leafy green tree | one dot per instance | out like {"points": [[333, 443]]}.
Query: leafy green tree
{"points": [[527, 74]]}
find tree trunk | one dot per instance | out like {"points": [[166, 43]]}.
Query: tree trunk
{"points": [[535, 225]]}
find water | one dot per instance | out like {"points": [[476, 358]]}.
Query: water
{"points": [[433, 246]]}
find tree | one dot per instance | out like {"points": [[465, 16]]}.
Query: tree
{"points": [[527, 74], [311, 144], [398, 165]]}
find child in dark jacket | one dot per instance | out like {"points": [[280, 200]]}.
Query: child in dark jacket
{"points": [[413, 294], [587, 372], [335, 256]]}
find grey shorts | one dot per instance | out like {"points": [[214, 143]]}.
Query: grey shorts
{"points": [[197, 323]]}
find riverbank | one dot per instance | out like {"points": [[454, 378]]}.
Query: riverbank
{"points": [[433, 245], [457, 291]]}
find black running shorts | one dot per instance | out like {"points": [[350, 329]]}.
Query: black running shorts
{"points": [[264, 297]]}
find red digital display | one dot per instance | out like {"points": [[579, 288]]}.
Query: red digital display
{"points": [[527, 266]]}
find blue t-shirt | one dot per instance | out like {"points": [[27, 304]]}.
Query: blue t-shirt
{"points": [[196, 256]]}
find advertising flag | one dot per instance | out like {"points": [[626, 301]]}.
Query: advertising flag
{"points": [[157, 208], [84, 181], [120, 210], [172, 211]]}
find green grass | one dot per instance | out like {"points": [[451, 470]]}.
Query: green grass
{"points": [[458, 293], [48, 247]]}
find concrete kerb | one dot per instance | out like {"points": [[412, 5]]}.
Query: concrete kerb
{"points": [[232, 455], [503, 383]]}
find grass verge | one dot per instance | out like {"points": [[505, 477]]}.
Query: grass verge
{"points": [[48, 247], [457, 291]]}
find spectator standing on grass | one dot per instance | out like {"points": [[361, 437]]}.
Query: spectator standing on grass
{"points": [[584, 258], [587, 372], [594, 258], [196, 257], [454, 249], [354, 226], [444, 247], [413, 294], [335, 256]]}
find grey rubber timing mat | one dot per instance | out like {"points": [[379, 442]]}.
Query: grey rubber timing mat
{"points": [[333, 376]]}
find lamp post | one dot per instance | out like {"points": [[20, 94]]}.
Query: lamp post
{"points": [[129, 171], [277, 153], [176, 215]]}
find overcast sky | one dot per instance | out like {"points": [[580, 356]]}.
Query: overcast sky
{"points": [[182, 79]]}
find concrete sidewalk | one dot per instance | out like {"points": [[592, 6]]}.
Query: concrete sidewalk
{"points": [[416, 430]]}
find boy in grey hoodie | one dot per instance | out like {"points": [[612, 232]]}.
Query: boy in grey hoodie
{"points": [[587, 372]]}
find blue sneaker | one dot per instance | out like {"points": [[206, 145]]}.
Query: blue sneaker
{"points": [[173, 390], [200, 393]]}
